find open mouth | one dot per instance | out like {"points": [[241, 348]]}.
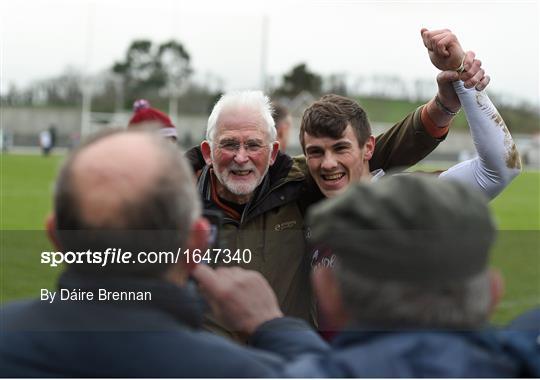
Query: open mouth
{"points": [[333, 177], [241, 173]]}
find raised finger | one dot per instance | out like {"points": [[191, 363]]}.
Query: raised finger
{"points": [[475, 67], [475, 79], [423, 32], [483, 83]]}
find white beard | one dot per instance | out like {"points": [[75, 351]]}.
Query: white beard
{"points": [[240, 188]]}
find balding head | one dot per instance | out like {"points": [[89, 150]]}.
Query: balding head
{"points": [[111, 173], [122, 181]]}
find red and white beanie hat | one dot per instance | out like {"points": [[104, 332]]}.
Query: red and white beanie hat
{"points": [[143, 113]]}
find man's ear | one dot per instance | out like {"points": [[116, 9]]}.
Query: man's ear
{"points": [[496, 287], [274, 153], [369, 148], [50, 226], [198, 239], [206, 151], [329, 298]]}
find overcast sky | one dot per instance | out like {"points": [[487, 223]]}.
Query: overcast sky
{"points": [[39, 38]]}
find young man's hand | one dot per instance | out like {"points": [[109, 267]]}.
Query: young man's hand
{"points": [[446, 54], [444, 49]]}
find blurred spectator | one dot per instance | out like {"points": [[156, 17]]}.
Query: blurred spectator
{"points": [[146, 116], [531, 154], [45, 142], [52, 131], [6, 140], [283, 121]]}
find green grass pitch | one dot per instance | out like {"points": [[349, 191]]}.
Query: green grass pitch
{"points": [[26, 185]]}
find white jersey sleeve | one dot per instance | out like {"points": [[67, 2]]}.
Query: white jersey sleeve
{"points": [[498, 160]]}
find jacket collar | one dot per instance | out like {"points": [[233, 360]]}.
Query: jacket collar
{"points": [[353, 336]]}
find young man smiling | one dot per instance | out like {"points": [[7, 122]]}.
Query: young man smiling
{"points": [[335, 135]]}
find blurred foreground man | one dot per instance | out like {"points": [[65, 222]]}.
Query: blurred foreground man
{"points": [[410, 293], [130, 191]]}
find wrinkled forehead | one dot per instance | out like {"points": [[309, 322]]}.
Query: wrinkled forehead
{"points": [[241, 124]]}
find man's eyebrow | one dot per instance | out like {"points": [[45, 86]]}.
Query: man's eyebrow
{"points": [[313, 147], [342, 143], [255, 140]]}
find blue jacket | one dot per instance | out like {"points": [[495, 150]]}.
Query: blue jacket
{"points": [[357, 353], [522, 339], [161, 338]]}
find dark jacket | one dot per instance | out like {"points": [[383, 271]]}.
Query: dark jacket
{"points": [[397, 354], [272, 223], [160, 338], [522, 338], [271, 227]]}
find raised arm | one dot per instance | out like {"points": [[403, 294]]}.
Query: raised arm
{"points": [[412, 139], [498, 161]]}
